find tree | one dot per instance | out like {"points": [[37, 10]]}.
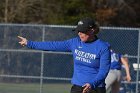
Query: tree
{"points": [[20, 11]]}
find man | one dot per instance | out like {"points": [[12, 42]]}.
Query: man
{"points": [[113, 79], [91, 56]]}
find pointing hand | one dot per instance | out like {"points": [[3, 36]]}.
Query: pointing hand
{"points": [[23, 41]]}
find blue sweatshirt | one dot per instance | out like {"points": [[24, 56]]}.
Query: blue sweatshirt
{"points": [[115, 61], [91, 60]]}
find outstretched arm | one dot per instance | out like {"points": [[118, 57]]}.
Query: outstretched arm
{"points": [[49, 45]]}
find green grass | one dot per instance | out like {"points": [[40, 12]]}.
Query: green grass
{"points": [[34, 88]]}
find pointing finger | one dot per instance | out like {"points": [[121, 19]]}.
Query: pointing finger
{"points": [[20, 37]]}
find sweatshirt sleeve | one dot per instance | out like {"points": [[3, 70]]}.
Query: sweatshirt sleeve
{"points": [[51, 45], [105, 61]]}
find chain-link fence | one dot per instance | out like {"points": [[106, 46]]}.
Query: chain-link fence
{"points": [[24, 70]]}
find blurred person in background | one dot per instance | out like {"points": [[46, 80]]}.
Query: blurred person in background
{"points": [[91, 56], [114, 77]]}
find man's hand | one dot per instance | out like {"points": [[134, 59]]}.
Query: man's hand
{"points": [[87, 88], [128, 78], [23, 41]]}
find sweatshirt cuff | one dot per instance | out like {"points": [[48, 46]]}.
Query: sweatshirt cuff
{"points": [[92, 86], [28, 44]]}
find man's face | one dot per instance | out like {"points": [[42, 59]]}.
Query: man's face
{"points": [[86, 36]]}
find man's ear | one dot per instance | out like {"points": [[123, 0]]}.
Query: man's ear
{"points": [[93, 30], [96, 30]]}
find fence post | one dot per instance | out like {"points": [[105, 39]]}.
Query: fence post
{"points": [[42, 61], [138, 59]]}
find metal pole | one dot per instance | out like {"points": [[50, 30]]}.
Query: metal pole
{"points": [[42, 62], [138, 61]]}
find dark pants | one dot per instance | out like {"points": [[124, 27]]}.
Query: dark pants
{"points": [[79, 89]]}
